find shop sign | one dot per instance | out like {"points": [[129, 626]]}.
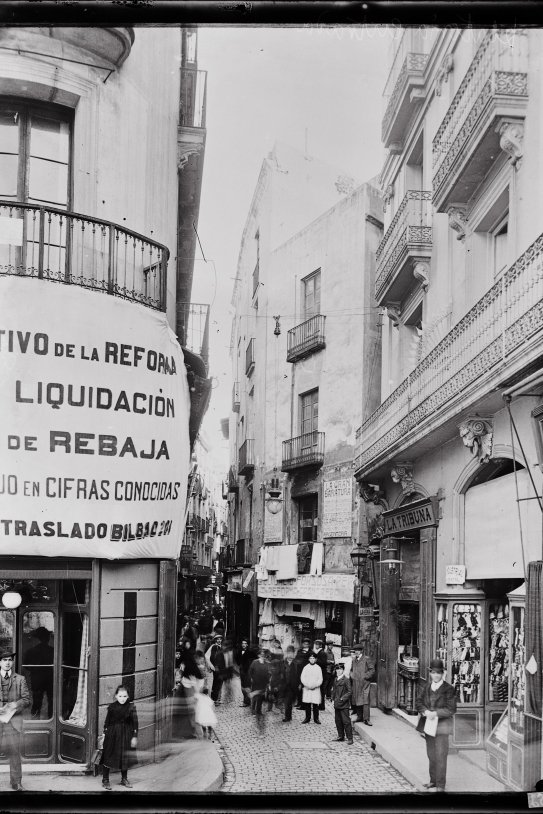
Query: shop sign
{"points": [[455, 574], [337, 508], [248, 578], [417, 515], [273, 526], [234, 583], [95, 409], [327, 588]]}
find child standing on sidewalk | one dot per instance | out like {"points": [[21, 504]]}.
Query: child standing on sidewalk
{"points": [[120, 735], [205, 713]]}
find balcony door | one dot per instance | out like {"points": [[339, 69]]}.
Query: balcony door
{"points": [[311, 294], [309, 421], [35, 159]]}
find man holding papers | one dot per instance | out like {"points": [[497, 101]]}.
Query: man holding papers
{"points": [[14, 698], [436, 705]]}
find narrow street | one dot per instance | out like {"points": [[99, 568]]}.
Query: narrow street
{"points": [[266, 755]]}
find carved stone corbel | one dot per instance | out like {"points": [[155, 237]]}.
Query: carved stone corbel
{"points": [[370, 492], [184, 152], [476, 434], [402, 473], [387, 196], [393, 312], [511, 133], [458, 220], [443, 72], [421, 272]]}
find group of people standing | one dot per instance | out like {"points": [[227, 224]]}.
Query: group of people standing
{"points": [[304, 679]]}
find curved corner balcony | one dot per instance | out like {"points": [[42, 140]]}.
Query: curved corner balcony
{"points": [[66, 247], [486, 115], [407, 93], [109, 44], [407, 241], [499, 339], [304, 450]]}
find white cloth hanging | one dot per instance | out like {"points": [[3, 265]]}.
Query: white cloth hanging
{"points": [[288, 561], [272, 558], [320, 616], [316, 559], [268, 615]]}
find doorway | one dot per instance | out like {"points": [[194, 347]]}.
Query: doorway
{"points": [[49, 633]]}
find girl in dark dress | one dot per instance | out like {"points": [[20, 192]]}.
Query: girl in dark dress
{"points": [[120, 735]]}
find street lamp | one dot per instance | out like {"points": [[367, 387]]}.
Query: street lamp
{"points": [[390, 549], [359, 556]]}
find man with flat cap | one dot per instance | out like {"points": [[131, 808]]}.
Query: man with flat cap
{"points": [[362, 672], [341, 696], [437, 701], [15, 697]]}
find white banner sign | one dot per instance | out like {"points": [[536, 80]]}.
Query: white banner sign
{"points": [[328, 588], [273, 526], [337, 508], [94, 446]]}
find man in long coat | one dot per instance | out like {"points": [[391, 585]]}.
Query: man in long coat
{"points": [[437, 701], [362, 672], [15, 697]]}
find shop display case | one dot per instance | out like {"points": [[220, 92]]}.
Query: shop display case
{"points": [[473, 642]]}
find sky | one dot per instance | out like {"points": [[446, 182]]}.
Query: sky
{"points": [[317, 89]]}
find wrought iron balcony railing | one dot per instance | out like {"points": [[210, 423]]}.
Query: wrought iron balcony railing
{"points": [[193, 97], [66, 247], [235, 398], [304, 450], [486, 340], [247, 457], [306, 338], [399, 106], [408, 236], [194, 323], [495, 85]]}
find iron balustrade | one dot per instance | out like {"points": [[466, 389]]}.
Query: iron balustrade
{"points": [[66, 247], [498, 70], [411, 228], [306, 338], [304, 450], [246, 457], [193, 97], [414, 64], [497, 326]]}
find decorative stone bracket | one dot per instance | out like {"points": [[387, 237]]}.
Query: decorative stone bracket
{"points": [[184, 152], [458, 220], [393, 312], [370, 492], [421, 272], [443, 72], [402, 473], [511, 133], [476, 434], [387, 196]]}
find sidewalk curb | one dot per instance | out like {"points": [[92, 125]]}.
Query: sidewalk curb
{"points": [[389, 756]]}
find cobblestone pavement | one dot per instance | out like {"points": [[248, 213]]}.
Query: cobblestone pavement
{"points": [[262, 754]]}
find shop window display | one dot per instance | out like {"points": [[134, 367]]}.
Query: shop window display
{"points": [[498, 665], [466, 652], [518, 674]]}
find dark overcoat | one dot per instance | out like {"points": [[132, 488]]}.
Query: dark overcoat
{"points": [[362, 672]]}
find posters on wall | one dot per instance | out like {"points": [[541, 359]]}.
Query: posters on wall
{"points": [[94, 442], [337, 507]]}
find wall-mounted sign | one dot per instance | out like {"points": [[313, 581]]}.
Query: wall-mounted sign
{"points": [[337, 510], [94, 441], [327, 588], [273, 525], [416, 515], [455, 574], [234, 582]]}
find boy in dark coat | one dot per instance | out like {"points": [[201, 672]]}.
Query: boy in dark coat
{"points": [[259, 675], [291, 681], [341, 696], [437, 700]]}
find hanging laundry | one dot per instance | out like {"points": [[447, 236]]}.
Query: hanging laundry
{"points": [[288, 562], [316, 559], [320, 617], [272, 557], [268, 615]]}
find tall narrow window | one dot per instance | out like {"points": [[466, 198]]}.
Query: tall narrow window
{"points": [[308, 510], [309, 412], [499, 237], [311, 293]]}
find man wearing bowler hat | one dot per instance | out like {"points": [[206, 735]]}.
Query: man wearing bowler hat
{"points": [[362, 672], [14, 698], [437, 700]]}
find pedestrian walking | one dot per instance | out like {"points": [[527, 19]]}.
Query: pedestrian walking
{"points": [[311, 679], [274, 690], [302, 658], [120, 735], [291, 683], [244, 657], [436, 704], [341, 696], [200, 660], [15, 698], [322, 661], [205, 715], [329, 678], [215, 662], [259, 675], [362, 672]]}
